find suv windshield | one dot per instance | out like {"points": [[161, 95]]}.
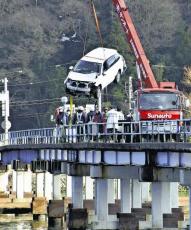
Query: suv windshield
{"points": [[87, 67], [159, 101]]}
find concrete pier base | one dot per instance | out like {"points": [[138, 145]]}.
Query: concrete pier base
{"points": [[125, 196], [77, 191], [39, 217], [55, 223]]}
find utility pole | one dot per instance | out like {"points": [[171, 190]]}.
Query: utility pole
{"points": [[99, 102], [4, 98], [130, 92]]}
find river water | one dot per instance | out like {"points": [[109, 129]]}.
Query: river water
{"points": [[23, 225]]}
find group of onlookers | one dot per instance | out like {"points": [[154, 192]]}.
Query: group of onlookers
{"points": [[108, 119]]}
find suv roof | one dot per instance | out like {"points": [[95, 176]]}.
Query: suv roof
{"points": [[99, 54]]}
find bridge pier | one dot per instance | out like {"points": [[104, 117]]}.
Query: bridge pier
{"points": [[40, 184], [69, 186], [189, 207], [56, 208], [4, 181], [126, 195], [77, 191], [174, 194], [18, 182], [40, 203], [89, 188], [102, 218], [145, 192], [111, 193], [20, 185], [48, 185], [161, 202], [157, 211], [101, 199], [57, 187], [136, 197], [28, 183], [166, 197]]}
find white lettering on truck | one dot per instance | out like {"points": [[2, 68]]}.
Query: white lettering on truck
{"points": [[159, 116]]}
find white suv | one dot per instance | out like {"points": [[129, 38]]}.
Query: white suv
{"points": [[95, 71]]}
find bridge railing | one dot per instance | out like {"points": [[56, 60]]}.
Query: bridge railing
{"points": [[34, 136], [121, 132], [145, 131]]}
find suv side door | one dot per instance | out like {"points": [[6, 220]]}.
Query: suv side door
{"points": [[107, 77], [111, 70]]}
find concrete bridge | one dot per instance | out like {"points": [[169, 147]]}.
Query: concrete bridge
{"points": [[144, 171]]}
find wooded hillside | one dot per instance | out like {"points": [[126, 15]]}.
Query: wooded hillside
{"points": [[40, 39]]}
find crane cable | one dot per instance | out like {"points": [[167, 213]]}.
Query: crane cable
{"points": [[96, 22], [101, 41]]}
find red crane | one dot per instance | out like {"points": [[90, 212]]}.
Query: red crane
{"points": [[134, 41], [161, 101]]}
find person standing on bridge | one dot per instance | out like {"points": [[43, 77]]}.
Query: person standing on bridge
{"points": [[120, 128], [104, 121], [90, 124], [112, 122], [80, 120], [98, 120], [59, 114]]}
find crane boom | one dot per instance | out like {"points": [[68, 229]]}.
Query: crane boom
{"points": [[133, 38]]}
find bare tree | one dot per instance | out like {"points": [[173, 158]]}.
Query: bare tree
{"points": [[157, 22]]}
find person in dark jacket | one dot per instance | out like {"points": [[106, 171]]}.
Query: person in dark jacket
{"points": [[90, 115], [98, 119], [90, 123], [79, 120]]}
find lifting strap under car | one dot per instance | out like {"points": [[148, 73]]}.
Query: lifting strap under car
{"points": [[96, 22]]}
